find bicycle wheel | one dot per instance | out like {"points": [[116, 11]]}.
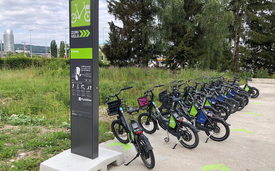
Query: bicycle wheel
{"points": [[189, 138], [147, 156], [119, 131], [73, 18], [146, 122], [234, 104], [254, 93], [223, 112], [245, 98], [241, 104], [221, 130]]}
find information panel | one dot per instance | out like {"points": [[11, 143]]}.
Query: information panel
{"points": [[84, 77]]}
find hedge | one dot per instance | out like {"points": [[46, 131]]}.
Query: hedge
{"points": [[20, 62]]}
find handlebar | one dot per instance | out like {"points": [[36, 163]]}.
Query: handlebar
{"points": [[115, 95], [152, 89]]}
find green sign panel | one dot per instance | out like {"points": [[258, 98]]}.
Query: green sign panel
{"points": [[80, 13], [81, 53]]}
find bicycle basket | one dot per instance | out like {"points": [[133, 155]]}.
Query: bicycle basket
{"points": [[113, 107], [142, 102], [163, 96]]}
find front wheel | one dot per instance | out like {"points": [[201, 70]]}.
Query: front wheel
{"points": [[223, 112], [87, 16], [221, 130], [147, 123], [189, 138], [119, 131], [147, 156], [254, 93]]}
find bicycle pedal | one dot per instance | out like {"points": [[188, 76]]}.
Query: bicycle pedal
{"points": [[166, 139]]}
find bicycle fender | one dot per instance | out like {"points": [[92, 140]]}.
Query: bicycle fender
{"points": [[190, 125], [145, 139], [222, 120]]}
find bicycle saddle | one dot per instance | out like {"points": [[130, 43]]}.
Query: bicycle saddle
{"points": [[175, 99], [131, 110]]}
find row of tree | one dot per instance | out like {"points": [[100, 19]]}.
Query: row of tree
{"points": [[211, 34], [53, 49]]}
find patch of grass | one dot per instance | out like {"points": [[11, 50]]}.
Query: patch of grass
{"points": [[30, 140]]}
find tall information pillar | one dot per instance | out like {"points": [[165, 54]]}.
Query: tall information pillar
{"points": [[84, 77]]}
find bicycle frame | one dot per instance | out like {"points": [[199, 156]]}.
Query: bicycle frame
{"points": [[84, 8]]}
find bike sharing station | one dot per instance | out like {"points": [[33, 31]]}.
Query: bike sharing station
{"points": [[85, 153]]}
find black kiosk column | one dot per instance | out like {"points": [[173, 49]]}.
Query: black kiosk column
{"points": [[84, 77]]}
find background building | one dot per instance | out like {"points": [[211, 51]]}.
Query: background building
{"points": [[8, 41]]}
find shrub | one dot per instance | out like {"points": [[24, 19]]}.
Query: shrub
{"points": [[262, 73], [2, 61]]}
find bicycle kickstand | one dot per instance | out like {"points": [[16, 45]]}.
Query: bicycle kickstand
{"points": [[177, 142], [131, 160], [166, 139], [209, 136]]}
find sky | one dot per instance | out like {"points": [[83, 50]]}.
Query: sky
{"points": [[48, 20]]}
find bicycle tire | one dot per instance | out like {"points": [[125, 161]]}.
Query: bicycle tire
{"points": [[187, 136], [146, 122], [234, 104], [241, 104], [147, 156], [223, 112], [217, 129], [246, 99], [254, 92], [119, 131]]}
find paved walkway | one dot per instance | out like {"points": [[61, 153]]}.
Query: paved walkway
{"points": [[250, 146]]}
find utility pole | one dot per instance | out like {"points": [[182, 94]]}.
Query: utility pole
{"points": [[31, 42]]}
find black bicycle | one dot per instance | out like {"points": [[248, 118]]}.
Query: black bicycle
{"points": [[186, 133], [132, 132]]}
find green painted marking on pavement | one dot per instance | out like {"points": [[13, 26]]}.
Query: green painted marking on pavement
{"points": [[257, 103], [125, 146], [252, 113], [244, 130], [222, 167]]}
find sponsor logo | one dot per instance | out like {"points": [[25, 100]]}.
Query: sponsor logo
{"points": [[84, 99]]}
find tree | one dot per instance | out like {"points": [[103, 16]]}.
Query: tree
{"points": [[214, 22], [131, 41], [259, 49], [9, 54], [62, 49], [178, 33], [53, 49]]}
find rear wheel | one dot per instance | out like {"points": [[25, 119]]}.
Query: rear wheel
{"points": [[119, 131], [189, 138], [220, 130], [147, 156], [146, 122]]}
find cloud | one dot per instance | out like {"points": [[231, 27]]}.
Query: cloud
{"points": [[47, 18]]}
